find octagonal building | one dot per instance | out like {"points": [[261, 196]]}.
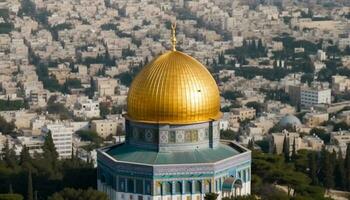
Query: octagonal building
{"points": [[172, 149]]}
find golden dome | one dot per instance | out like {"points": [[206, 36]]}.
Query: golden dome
{"points": [[173, 89]]}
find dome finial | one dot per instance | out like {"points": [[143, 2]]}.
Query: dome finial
{"points": [[173, 36]]}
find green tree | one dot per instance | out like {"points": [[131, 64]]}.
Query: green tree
{"points": [[274, 151], [125, 78], [251, 144], [11, 197], [228, 135], [25, 159], [285, 150], [211, 196], [339, 172], [341, 126], [59, 109], [313, 168], [326, 172], [71, 84], [221, 58], [73, 194], [256, 105], [231, 95], [294, 153], [9, 155], [50, 155], [5, 127], [6, 105], [322, 134], [347, 167], [91, 136], [30, 186], [104, 109]]}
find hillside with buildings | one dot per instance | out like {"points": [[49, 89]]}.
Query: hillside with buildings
{"points": [[282, 68]]}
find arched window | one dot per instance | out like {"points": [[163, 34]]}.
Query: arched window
{"points": [[188, 187], [130, 184], [122, 182], [197, 187], [148, 187], [178, 188], [167, 188], [139, 186], [207, 186], [158, 188], [244, 175]]}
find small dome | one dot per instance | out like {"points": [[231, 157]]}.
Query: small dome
{"points": [[173, 89], [289, 120]]}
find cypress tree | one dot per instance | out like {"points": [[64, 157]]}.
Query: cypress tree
{"points": [[50, 154], [260, 46], [313, 168], [92, 88], [274, 152], [25, 159], [347, 167], [253, 45], [10, 189], [251, 144], [286, 149], [244, 43], [30, 186], [326, 170], [49, 147], [294, 153], [9, 155], [333, 159], [146, 60], [339, 172]]}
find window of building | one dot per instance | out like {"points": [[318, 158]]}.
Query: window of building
{"points": [[197, 186], [187, 136], [194, 136], [122, 184], [188, 187], [207, 186], [191, 136], [178, 189], [172, 136], [135, 133], [130, 185], [167, 188], [139, 186], [158, 188], [206, 133], [148, 187], [244, 175], [248, 174]]}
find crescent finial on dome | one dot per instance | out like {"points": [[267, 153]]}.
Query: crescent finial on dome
{"points": [[173, 36]]}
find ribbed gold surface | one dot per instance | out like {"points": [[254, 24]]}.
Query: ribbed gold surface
{"points": [[173, 89]]}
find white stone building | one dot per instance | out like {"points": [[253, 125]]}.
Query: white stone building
{"points": [[86, 108], [62, 137], [313, 96]]}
